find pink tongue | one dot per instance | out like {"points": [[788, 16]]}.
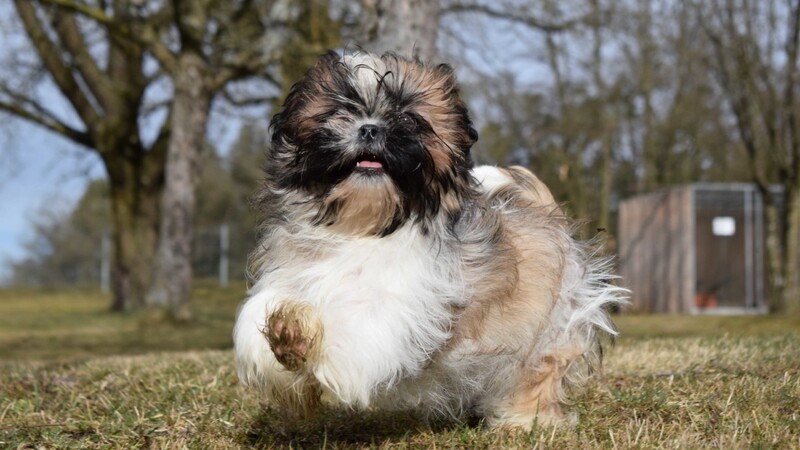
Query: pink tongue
{"points": [[370, 165]]}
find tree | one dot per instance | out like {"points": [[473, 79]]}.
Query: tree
{"points": [[315, 31], [104, 57], [621, 102], [105, 91], [754, 59], [64, 248], [65, 245], [217, 43]]}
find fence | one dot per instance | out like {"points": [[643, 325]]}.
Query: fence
{"points": [[217, 253]]}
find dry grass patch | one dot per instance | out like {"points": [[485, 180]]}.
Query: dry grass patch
{"points": [[670, 382], [724, 391]]}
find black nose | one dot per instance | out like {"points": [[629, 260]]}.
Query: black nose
{"points": [[369, 133]]}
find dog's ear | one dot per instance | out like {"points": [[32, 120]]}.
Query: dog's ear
{"points": [[311, 88], [472, 133], [327, 67], [445, 78]]}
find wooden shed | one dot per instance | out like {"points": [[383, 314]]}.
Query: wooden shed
{"points": [[697, 248]]}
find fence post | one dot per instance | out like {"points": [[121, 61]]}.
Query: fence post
{"points": [[105, 262], [224, 246]]}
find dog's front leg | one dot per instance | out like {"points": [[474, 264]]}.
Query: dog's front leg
{"points": [[294, 333]]}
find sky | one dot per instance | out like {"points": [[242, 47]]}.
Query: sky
{"points": [[37, 170]]}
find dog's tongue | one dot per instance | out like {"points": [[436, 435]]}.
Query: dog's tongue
{"points": [[369, 165]]}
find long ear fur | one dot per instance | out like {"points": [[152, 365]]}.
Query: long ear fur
{"points": [[304, 94]]}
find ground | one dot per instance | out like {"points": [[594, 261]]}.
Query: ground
{"points": [[74, 375]]}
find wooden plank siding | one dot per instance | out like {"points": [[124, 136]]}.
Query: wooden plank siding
{"points": [[656, 250], [673, 261]]}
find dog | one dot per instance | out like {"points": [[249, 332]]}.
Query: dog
{"points": [[392, 274]]}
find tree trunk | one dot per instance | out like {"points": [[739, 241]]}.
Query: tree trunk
{"points": [[406, 27], [172, 280], [606, 178], [134, 209], [774, 254], [791, 262], [606, 131]]}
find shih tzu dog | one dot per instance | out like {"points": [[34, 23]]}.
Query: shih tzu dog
{"points": [[393, 274]]}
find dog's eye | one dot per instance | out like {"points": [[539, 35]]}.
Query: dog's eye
{"points": [[343, 116], [407, 119]]}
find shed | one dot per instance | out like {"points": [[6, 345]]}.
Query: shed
{"points": [[696, 248]]}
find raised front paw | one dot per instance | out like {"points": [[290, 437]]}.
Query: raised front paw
{"points": [[293, 332]]}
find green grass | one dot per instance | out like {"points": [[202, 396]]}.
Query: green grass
{"points": [[74, 375], [77, 323]]}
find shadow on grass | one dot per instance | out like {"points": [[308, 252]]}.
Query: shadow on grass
{"points": [[336, 428]]}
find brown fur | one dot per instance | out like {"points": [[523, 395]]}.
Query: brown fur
{"points": [[365, 206], [519, 290]]}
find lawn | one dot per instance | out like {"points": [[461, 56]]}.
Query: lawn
{"points": [[75, 375]]}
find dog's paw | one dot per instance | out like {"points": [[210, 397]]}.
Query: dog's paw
{"points": [[293, 332]]}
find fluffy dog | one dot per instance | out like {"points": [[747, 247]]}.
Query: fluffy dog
{"points": [[390, 273]]}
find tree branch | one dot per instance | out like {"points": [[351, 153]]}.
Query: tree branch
{"points": [[96, 14], [247, 64], [516, 17], [48, 122], [147, 36], [72, 38], [250, 101], [51, 57], [739, 106]]}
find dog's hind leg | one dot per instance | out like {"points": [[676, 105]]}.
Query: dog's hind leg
{"points": [[535, 400]]}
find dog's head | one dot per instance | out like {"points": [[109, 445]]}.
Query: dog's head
{"points": [[374, 141]]}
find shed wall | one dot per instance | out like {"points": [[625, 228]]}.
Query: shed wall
{"points": [[656, 250]]}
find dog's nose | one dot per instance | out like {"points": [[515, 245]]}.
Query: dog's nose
{"points": [[369, 133]]}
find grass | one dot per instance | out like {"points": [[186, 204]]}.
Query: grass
{"points": [[77, 323], [74, 375]]}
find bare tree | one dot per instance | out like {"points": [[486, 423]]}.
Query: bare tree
{"points": [[754, 58], [103, 56], [606, 122], [217, 43], [105, 89]]}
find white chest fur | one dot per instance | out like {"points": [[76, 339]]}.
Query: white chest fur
{"points": [[385, 305]]}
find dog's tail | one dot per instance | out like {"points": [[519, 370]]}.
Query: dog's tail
{"points": [[515, 184]]}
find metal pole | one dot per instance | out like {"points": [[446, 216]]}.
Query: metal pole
{"points": [[759, 250], [105, 262], [224, 246], [749, 279]]}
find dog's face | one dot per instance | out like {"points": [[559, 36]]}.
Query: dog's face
{"points": [[375, 142]]}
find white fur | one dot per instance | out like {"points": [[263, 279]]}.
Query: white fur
{"points": [[384, 304], [387, 306], [490, 178], [369, 70]]}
